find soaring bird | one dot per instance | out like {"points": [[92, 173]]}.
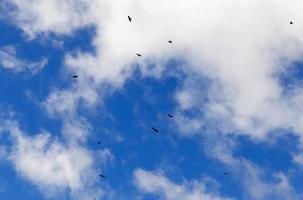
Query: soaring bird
{"points": [[102, 176], [291, 22], [169, 115], [98, 142], [170, 41], [225, 173], [155, 130], [138, 54], [75, 76], [129, 19]]}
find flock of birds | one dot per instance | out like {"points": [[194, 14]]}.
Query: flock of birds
{"points": [[169, 115], [153, 128], [138, 54]]}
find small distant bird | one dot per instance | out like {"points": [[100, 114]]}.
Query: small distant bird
{"points": [[99, 142], [129, 19], [138, 54], [169, 115], [102, 176], [225, 173], [170, 41], [155, 130], [75, 76], [291, 22]]}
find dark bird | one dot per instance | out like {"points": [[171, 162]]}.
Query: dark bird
{"points": [[99, 142], [75, 76], [169, 115], [225, 173], [129, 19], [138, 54], [102, 176], [170, 41], [291, 22], [155, 130]]}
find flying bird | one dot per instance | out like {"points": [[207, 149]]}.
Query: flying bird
{"points": [[155, 130], [225, 173], [170, 41], [129, 19], [99, 142], [169, 115], [75, 76], [291, 22], [138, 54], [102, 176]]}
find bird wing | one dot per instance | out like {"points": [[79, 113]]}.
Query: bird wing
{"points": [[156, 130]]}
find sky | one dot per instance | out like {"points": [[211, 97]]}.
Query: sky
{"points": [[231, 78]]}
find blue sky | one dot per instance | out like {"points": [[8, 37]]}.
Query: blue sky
{"points": [[236, 97]]}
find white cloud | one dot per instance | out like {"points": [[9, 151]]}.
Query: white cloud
{"points": [[257, 187], [46, 16], [159, 185], [239, 45], [3, 152], [298, 158], [56, 165], [66, 102], [256, 183], [10, 61], [76, 130], [52, 166], [63, 104], [105, 156]]}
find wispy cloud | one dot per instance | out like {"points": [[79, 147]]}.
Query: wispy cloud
{"points": [[44, 16], [53, 166], [150, 182], [10, 61], [257, 183]]}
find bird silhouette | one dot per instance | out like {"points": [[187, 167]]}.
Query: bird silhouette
{"points": [[169, 115], [75, 76], [102, 176], [99, 142], [155, 130], [170, 41], [138, 54], [129, 19], [291, 22], [225, 173]]}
